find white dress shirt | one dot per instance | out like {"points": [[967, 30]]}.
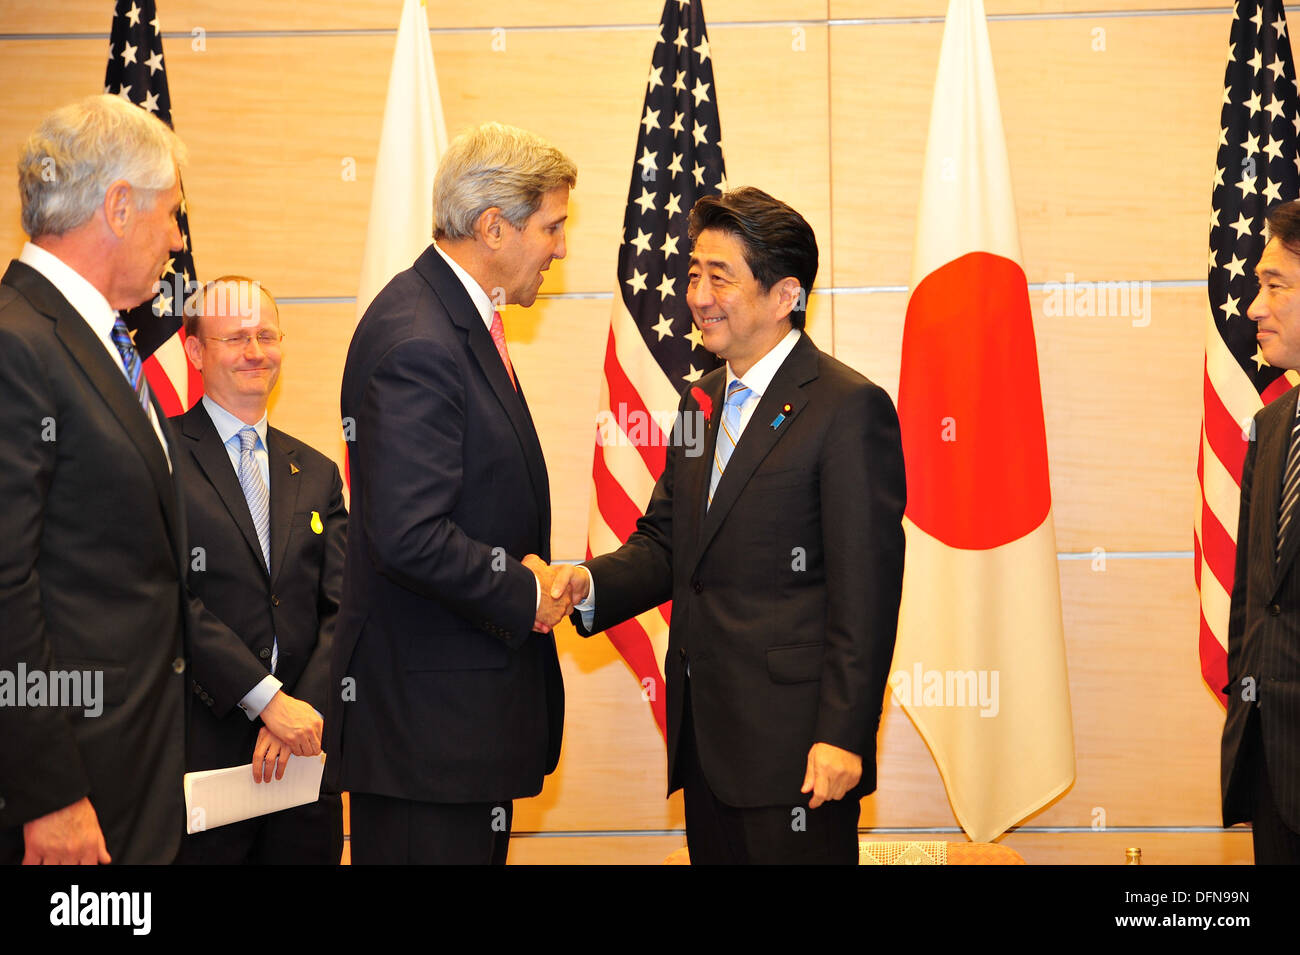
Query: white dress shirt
{"points": [[90, 304], [476, 293]]}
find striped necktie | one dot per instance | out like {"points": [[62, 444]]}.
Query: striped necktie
{"points": [[131, 363], [1290, 487], [737, 392], [259, 499]]}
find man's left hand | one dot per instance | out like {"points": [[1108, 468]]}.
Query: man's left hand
{"points": [[270, 756], [831, 773]]}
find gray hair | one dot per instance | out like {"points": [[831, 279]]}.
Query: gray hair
{"points": [[79, 150], [495, 165]]}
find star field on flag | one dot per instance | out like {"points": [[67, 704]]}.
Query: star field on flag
{"points": [[136, 73]]}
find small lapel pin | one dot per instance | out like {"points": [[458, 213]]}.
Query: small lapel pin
{"points": [[776, 422], [316, 524], [293, 468]]}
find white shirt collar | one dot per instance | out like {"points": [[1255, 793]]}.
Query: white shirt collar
{"points": [[81, 295], [760, 376], [228, 425], [476, 293]]}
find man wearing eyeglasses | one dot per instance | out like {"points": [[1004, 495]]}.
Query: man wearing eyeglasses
{"points": [[267, 530]]}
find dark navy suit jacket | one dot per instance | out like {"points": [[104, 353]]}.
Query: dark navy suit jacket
{"points": [[447, 694]]}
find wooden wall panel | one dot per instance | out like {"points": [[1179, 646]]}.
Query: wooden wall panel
{"points": [[306, 402], [38, 77], [1147, 730], [182, 16], [883, 9], [1112, 153], [1121, 404]]}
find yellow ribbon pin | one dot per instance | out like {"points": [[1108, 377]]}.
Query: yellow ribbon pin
{"points": [[316, 524]]}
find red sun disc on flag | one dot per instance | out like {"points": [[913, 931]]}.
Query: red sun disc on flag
{"points": [[970, 407]]}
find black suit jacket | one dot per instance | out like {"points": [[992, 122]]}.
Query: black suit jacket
{"points": [[249, 610], [91, 577], [785, 591], [1264, 628], [448, 695]]}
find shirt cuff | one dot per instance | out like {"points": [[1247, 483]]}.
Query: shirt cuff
{"points": [[587, 607], [256, 699]]}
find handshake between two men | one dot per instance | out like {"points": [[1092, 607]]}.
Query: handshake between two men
{"points": [[562, 587]]}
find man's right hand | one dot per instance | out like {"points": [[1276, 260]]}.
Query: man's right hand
{"points": [[573, 579], [295, 723], [552, 607], [67, 836]]}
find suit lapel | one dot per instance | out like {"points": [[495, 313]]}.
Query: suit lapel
{"points": [[105, 376], [214, 461], [112, 386], [447, 286], [284, 470], [536, 462], [759, 436], [1274, 463]]}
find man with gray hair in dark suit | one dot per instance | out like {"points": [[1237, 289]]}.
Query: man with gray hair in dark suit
{"points": [[93, 562]]}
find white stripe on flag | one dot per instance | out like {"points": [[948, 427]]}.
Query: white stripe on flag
{"points": [[638, 364], [1215, 605], [1222, 493], [1228, 380]]}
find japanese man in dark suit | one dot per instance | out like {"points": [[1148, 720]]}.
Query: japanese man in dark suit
{"points": [[782, 550]]}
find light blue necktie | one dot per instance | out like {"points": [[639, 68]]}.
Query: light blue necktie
{"points": [[259, 505], [131, 363], [259, 500], [737, 392]]}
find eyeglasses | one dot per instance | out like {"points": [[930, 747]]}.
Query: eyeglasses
{"points": [[266, 338]]}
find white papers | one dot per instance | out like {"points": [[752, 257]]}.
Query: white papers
{"points": [[217, 797]]}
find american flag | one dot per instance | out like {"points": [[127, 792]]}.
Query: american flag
{"points": [[654, 351], [1257, 168], [136, 73]]}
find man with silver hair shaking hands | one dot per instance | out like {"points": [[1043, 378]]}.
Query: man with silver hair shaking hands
{"points": [[451, 700]]}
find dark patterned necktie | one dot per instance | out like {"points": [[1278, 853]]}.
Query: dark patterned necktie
{"points": [[1290, 487], [131, 363]]}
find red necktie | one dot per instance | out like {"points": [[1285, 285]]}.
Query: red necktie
{"points": [[499, 338]]}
